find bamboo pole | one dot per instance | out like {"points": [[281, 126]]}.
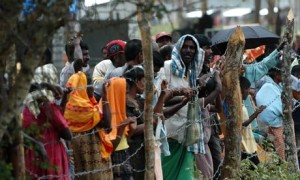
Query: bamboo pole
{"points": [[288, 124], [143, 16], [233, 98]]}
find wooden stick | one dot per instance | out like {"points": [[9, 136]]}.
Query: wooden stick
{"points": [[233, 98], [143, 16], [288, 124]]}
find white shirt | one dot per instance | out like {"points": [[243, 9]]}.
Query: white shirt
{"points": [[178, 120], [101, 69]]}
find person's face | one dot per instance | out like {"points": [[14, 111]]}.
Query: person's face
{"points": [[104, 53], [85, 57], [208, 54], [188, 51], [140, 84], [279, 77], [119, 60], [163, 41], [245, 93]]}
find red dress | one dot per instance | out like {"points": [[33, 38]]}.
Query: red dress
{"points": [[49, 134]]}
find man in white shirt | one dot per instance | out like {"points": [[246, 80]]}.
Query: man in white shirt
{"points": [[115, 52], [78, 50]]}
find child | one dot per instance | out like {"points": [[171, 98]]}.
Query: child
{"points": [[249, 146]]}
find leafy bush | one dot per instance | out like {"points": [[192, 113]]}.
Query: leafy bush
{"points": [[275, 168], [5, 170]]}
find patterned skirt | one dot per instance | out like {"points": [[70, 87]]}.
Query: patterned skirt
{"points": [[87, 158]]}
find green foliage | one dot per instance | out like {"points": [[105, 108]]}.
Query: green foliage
{"points": [[275, 168], [5, 170]]}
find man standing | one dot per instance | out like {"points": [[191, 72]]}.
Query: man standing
{"points": [[182, 72], [115, 52], [77, 50], [270, 96], [133, 56]]}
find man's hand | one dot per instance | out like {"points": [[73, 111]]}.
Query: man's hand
{"points": [[281, 45], [259, 110], [56, 89], [131, 121], [203, 79], [164, 85]]}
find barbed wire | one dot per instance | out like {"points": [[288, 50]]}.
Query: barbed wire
{"points": [[187, 123], [218, 171], [124, 162], [111, 167]]}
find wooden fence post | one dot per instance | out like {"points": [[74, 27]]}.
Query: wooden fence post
{"points": [[288, 124], [233, 98], [143, 15]]}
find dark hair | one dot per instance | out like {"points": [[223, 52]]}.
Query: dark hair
{"points": [[70, 48], [295, 70], [244, 83], [83, 46], [132, 49], [133, 73], [158, 60], [166, 51], [202, 40], [189, 38], [78, 64], [47, 56], [275, 70]]}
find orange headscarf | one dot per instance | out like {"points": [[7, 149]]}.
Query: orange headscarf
{"points": [[83, 113], [116, 95]]}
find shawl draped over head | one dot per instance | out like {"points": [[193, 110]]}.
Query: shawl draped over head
{"points": [[48, 74], [83, 113], [177, 64], [116, 96], [178, 68]]}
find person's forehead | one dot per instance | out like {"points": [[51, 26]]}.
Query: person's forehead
{"points": [[189, 42]]}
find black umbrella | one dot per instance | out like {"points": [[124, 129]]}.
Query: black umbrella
{"points": [[255, 36]]}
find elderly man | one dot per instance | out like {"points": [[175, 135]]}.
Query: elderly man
{"points": [[182, 72]]}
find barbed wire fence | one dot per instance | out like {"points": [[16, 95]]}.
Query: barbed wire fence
{"points": [[169, 135]]}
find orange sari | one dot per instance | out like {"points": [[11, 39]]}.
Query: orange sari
{"points": [[116, 96], [83, 113]]}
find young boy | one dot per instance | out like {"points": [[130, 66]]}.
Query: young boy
{"points": [[249, 146]]}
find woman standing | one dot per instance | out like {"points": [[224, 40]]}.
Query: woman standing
{"points": [[89, 123]]}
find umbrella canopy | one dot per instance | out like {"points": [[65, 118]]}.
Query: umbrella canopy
{"points": [[254, 35]]}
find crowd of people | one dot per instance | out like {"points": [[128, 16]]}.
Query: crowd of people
{"points": [[90, 125]]}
